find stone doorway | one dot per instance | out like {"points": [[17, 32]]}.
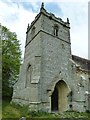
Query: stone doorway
{"points": [[59, 100]]}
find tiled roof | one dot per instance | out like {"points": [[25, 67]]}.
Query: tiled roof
{"points": [[84, 63]]}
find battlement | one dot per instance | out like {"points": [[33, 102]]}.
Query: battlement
{"points": [[51, 16]]}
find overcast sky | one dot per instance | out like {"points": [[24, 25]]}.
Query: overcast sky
{"points": [[16, 14]]}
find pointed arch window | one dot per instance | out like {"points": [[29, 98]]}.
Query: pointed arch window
{"points": [[28, 75]]}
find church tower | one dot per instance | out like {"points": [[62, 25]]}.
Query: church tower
{"points": [[45, 75]]}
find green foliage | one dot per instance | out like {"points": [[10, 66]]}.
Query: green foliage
{"points": [[40, 114], [11, 60], [17, 111]]}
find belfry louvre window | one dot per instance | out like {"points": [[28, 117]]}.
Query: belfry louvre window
{"points": [[56, 30], [33, 32]]}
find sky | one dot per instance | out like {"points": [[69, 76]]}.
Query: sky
{"points": [[16, 14]]}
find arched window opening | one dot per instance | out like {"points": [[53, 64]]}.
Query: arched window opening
{"points": [[56, 30], [28, 76], [32, 32]]}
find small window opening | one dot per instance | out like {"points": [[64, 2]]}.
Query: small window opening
{"points": [[33, 32], [63, 46], [56, 30]]}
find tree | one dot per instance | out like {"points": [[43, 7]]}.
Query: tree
{"points": [[11, 60]]}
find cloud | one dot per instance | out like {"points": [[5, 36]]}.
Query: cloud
{"points": [[34, 6], [53, 8], [78, 15], [51, 1], [16, 15], [16, 19]]}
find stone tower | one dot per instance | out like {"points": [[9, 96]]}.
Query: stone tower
{"points": [[46, 80]]}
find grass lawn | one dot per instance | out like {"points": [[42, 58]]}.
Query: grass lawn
{"points": [[16, 111]]}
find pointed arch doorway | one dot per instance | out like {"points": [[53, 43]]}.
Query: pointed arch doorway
{"points": [[59, 100]]}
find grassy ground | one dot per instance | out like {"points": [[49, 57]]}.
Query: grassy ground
{"points": [[13, 110], [16, 111]]}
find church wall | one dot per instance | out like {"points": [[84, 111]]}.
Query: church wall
{"points": [[80, 93], [32, 57], [49, 24], [55, 60], [48, 55], [29, 33]]}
